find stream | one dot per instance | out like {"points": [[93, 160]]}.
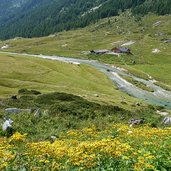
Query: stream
{"points": [[159, 97]]}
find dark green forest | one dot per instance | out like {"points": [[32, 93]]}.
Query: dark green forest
{"points": [[36, 18]]}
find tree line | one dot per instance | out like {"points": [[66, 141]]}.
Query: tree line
{"points": [[41, 17]]}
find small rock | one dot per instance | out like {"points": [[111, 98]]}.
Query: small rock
{"points": [[166, 40], [5, 47], [136, 122], [7, 124], [13, 110], [14, 97], [37, 112], [162, 113], [17, 111], [7, 127], [96, 95], [167, 120], [156, 51]]}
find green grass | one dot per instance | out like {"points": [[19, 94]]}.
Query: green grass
{"points": [[103, 35], [62, 112], [17, 72]]}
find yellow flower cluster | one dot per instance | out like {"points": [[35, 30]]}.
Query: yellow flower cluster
{"points": [[6, 155], [17, 137], [134, 148]]}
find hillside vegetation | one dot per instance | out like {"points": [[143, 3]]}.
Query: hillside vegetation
{"points": [[30, 18], [18, 72], [84, 120], [146, 33]]}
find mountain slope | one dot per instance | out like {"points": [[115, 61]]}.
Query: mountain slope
{"points": [[147, 35], [35, 18]]}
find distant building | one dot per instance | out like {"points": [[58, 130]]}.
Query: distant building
{"points": [[115, 50], [121, 50], [98, 52]]}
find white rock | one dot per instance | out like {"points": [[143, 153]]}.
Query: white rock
{"points": [[5, 47], [7, 124], [167, 120], [128, 43], [157, 23], [162, 113], [156, 51]]}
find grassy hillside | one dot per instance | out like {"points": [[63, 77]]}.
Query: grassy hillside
{"points": [[106, 34], [81, 109], [30, 18], [17, 72]]}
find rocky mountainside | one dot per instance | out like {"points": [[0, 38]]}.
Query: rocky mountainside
{"points": [[36, 18]]}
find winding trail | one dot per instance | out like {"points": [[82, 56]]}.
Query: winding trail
{"points": [[159, 97]]}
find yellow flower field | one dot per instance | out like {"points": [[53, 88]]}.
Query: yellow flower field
{"points": [[118, 148]]}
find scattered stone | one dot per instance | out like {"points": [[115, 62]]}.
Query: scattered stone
{"points": [[96, 95], [128, 43], [37, 112], [133, 122], [159, 34], [157, 23], [162, 113], [13, 110], [7, 123], [156, 51], [7, 127], [167, 120], [5, 47], [17, 111], [52, 139], [166, 40]]}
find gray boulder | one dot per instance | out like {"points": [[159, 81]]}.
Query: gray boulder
{"points": [[7, 124], [7, 127], [167, 120], [136, 122], [17, 111]]}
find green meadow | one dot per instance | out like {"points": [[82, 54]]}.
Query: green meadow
{"points": [[83, 117], [17, 72], [109, 33]]}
